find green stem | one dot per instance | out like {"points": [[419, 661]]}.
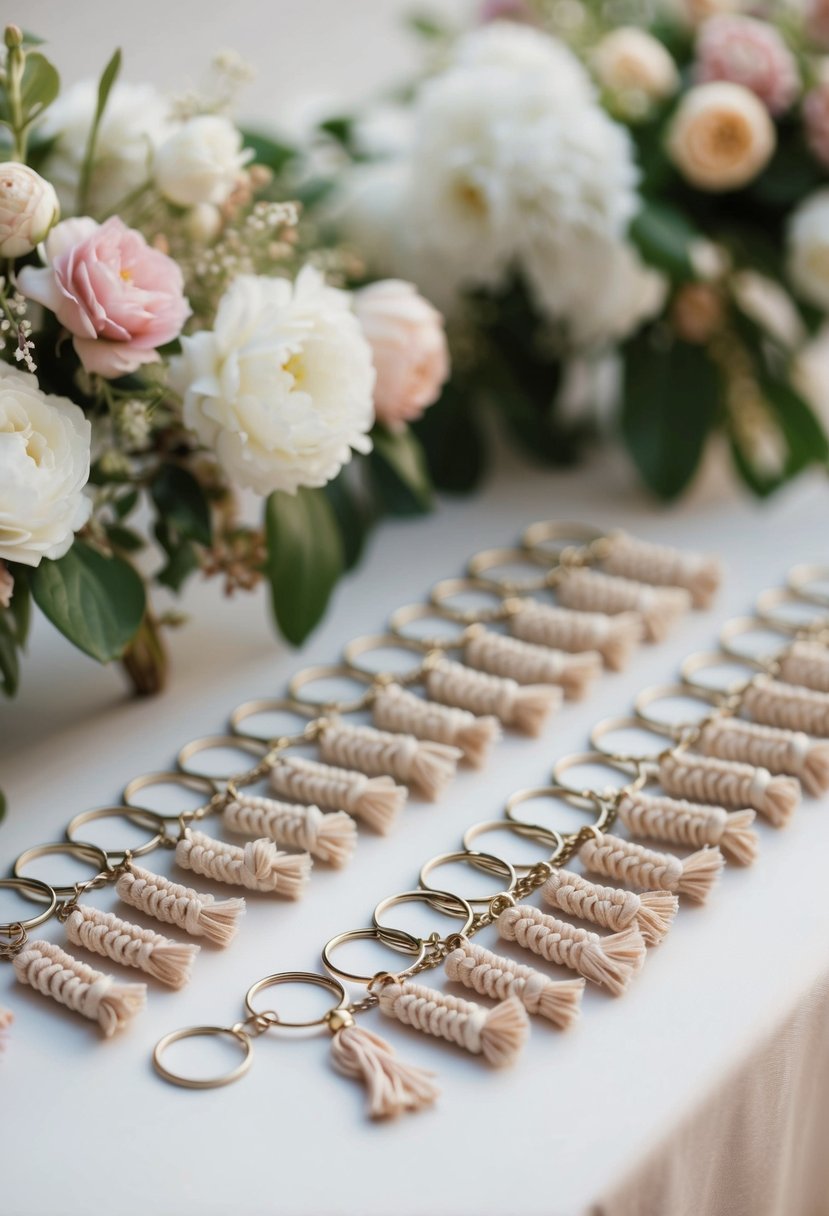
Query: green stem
{"points": [[15, 67]]}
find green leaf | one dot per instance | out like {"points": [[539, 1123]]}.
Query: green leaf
{"points": [[21, 606], [96, 602], [268, 151], [3, 805], [124, 505], [354, 518], [340, 128], [40, 87], [399, 474], [181, 557], [453, 440], [426, 26], [181, 503], [670, 403], [124, 538], [9, 664], [305, 559], [108, 78], [664, 237]]}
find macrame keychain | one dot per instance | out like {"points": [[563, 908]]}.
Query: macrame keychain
{"points": [[764, 698]]}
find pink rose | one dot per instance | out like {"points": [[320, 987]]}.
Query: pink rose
{"points": [[6, 585], [118, 297], [746, 51], [817, 22], [408, 346]]}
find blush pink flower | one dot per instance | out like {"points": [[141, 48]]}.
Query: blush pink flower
{"points": [[750, 52], [816, 120], [816, 18], [409, 350], [6, 585], [119, 298], [507, 10]]}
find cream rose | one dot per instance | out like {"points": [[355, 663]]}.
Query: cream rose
{"points": [[408, 344], [281, 387], [635, 68], [28, 209], [44, 466], [721, 136], [202, 162], [808, 249]]}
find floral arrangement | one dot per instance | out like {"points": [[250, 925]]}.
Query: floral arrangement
{"points": [[623, 212], [178, 345]]}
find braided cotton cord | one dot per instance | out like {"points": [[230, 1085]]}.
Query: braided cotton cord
{"points": [[393, 1086], [691, 824], [664, 566], [614, 637], [376, 800], [591, 591], [524, 708], [527, 663], [773, 703], [131, 946], [198, 914], [728, 784], [331, 837], [611, 961], [258, 865], [425, 766], [398, 710], [611, 907], [613, 857], [806, 664], [779, 751], [497, 977], [54, 973], [497, 1034]]}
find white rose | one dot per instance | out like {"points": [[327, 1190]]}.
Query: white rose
{"points": [[721, 136], [135, 121], [635, 68], [28, 209], [44, 466], [281, 388], [202, 162], [808, 249]]}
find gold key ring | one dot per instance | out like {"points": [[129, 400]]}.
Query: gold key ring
{"points": [[267, 705], [489, 863], [397, 939], [448, 588], [638, 774], [424, 612], [705, 660], [479, 566], [580, 540], [192, 1032], [678, 731], [329, 982], [742, 626], [90, 854], [769, 602], [188, 781], [141, 818], [359, 647], [800, 580], [526, 831], [230, 742], [441, 901], [609, 726], [16, 932], [332, 671], [581, 800]]}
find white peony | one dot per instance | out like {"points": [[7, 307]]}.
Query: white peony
{"points": [[133, 125], [808, 249], [28, 209], [281, 388], [521, 50], [44, 466], [201, 162]]}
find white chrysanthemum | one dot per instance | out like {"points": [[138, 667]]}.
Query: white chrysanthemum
{"points": [[521, 49], [44, 466], [808, 249], [133, 125], [281, 388]]}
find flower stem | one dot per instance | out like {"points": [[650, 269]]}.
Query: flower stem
{"points": [[15, 67], [145, 659]]}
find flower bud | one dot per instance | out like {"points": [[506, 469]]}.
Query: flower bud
{"points": [[28, 209], [203, 223]]}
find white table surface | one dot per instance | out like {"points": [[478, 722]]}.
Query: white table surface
{"points": [[580, 1110]]}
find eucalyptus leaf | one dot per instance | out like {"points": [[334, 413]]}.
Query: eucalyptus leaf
{"points": [[305, 559], [40, 85], [97, 602]]}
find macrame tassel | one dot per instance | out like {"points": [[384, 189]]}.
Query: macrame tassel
{"points": [[780, 751], [198, 914], [527, 663], [614, 637], [691, 824], [773, 703], [524, 708], [396, 709], [332, 837], [652, 913], [492, 975], [726, 783], [659, 607], [131, 946], [613, 857], [497, 1034], [425, 766], [258, 865], [51, 971], [806, 664], [6, 1019], [610, 961], [393, 1086], [664, 566], [376, 800]]}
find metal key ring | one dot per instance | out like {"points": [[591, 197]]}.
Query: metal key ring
{"points": [[704, 660], [581, 800], [267, 705], [481, 563], [448, 588], [678, 731], [800, 578], [332, 671], [361, 646], [581, 538], [88, 853], [397, 939], [638, 776], [200, 785], [140, 817], [16, 931], [298, 977], [609, 726], [208, 743], [424, 612], [526, 831], [441, 901], [489, 863], [192, 1032], [768, 602], [741, 626]]}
